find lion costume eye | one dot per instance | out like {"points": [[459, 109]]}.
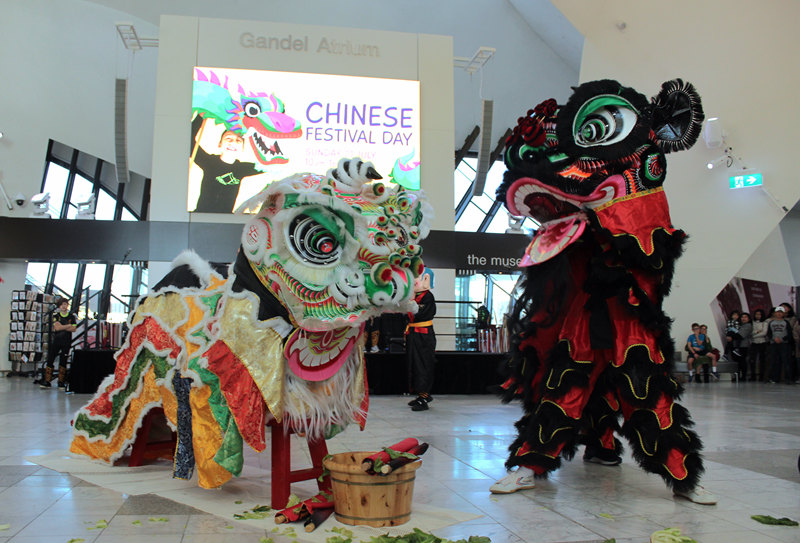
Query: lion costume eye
{"points": [[604, 120], [314, 242]]}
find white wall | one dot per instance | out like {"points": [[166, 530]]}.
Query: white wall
{"points": [[790, 233], [739, 54], [770, 261]]}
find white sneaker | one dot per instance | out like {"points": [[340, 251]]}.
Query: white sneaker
{"points": [[699, 495], [511, 483], [374, 349]]}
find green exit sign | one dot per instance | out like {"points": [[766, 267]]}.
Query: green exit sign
{"points": [[746, 180]]}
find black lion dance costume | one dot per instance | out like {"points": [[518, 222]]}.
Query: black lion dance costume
{"points": [[590, 340]]}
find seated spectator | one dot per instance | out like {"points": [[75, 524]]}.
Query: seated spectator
{"points": [[698, 345]]}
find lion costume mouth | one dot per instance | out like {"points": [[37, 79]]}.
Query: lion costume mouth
{"points": [[316, 356], [561, 215], [529, 197]]}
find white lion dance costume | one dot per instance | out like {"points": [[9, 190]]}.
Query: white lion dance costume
{"points": [[279, 338]]}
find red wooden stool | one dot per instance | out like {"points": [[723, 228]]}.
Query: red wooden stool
{"points": [[144, 450], [282, 474]]}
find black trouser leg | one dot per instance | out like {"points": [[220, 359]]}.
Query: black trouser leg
{"points": [[420, 350]]}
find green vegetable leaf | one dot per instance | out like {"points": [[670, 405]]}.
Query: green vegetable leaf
{"points": [[76, 540], [4, 527], [266, 540], [293, 500], [99, 525], [238, 502], [342, 531], [325, 471], [767, 519], [605, 515], [137, 522], [251, 515], [393, 454], [670, 535]]}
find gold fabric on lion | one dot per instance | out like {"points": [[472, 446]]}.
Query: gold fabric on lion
{"points": [[253, 344]]}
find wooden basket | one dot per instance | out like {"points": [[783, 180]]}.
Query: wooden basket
{"points": [[370, 500]]}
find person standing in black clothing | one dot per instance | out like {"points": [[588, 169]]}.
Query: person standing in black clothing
{"points": [[223, 172], [64, 323], [421, 343]]}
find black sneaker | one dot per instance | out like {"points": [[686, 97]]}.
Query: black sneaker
{"points": [[605, 457], [419, 405], [427, 399], [45, 384], [62, 384]]}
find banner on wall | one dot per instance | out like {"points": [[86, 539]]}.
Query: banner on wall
{"points": [[251, 127]]}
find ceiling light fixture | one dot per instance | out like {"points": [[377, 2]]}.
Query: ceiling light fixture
{"points": [[131, 39], [472, 65]]}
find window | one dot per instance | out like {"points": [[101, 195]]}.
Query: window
{"points": [[482, 212], [81, 192], [55, 183], [106, 205], [93, 280], [121, 298], [65, 276], [37, 274], [73, 178]]}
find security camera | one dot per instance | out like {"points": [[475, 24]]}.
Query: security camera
{"points": [[20, 199]]}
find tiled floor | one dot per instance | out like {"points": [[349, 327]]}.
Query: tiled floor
{"points": [[751, 433]]}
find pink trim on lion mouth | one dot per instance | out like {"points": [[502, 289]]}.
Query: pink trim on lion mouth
{"points": [[610, 189], [316, 356]]}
